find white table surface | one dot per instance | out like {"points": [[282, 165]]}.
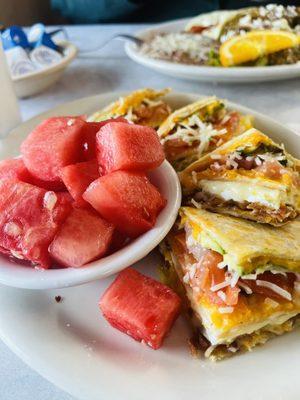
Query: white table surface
{"points": [[111, 70]]}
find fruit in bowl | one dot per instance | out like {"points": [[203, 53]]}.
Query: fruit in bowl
{"points": [[75, 187]]}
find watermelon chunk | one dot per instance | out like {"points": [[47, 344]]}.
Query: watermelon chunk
{"points": [[90, 130], [29, 219], [128, 147], [140, 307], [14, 168], [52, 145], [126, 199], [82, 238], [77, 178]]}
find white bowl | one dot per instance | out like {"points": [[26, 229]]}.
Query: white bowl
{"points": [[164, 177], [204, 73], [37, 81]]}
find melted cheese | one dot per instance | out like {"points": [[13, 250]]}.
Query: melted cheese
{"points": [[240, 192]]}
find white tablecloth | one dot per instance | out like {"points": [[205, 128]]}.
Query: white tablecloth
{"points": [[111, 70]]}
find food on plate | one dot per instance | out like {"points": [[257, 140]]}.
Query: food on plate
{"points": [[127, 199], [142, 107], [250, 46], [128, 147], [52, 145], [83, 237], [141, 307], [199, 128], [54, 207], [250, 177], [29, 219], [77, 177], [239, 279], [255, 36]]}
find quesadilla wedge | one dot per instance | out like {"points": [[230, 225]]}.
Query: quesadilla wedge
{"points": [[198, 128], [250, 177], [239, 280], [143, 107]]}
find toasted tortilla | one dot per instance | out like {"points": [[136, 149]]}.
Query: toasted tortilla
{"points": [[247, 245], [186, 150], [125, 105], [182, 113]]}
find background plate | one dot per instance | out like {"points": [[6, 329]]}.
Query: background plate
{"points": [[70, 344], [202, 73]]}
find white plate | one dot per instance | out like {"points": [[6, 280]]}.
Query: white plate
{"points": [[202, 73], [37, 81], [71, 345], [164, 177]]}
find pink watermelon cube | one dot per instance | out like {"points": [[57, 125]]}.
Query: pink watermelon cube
{"points": [[126, 199], [132, 147], [77, 178], [52, 145], [29, 219], [83, 237], [140, 307], [90, 130], [14, 168]]}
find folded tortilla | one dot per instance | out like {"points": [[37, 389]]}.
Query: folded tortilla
{"points": [[198, 128], [259, 265], [210, 24], [143, 107], [250, 176]]}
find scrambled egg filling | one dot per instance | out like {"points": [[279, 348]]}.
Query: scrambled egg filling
{"points": [[241, 192]]}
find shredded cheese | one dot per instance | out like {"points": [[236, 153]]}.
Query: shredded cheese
{"points": [[226, 310], [247, 289], [275, 288], [195, 130], [219, 286]]}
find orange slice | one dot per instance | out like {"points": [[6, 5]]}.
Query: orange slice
{"points": [[252, 45]]}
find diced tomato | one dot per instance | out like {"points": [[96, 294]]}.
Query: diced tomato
{"points": [[232, 123], [285, 282], [176, 148], [271, 169], [246, 164], [82, 238], [208, 274], [140, 307]]}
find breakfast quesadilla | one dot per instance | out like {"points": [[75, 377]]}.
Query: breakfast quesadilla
{"points": [[250, 177], [198, 128], [142, 107], [239, 280]]}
